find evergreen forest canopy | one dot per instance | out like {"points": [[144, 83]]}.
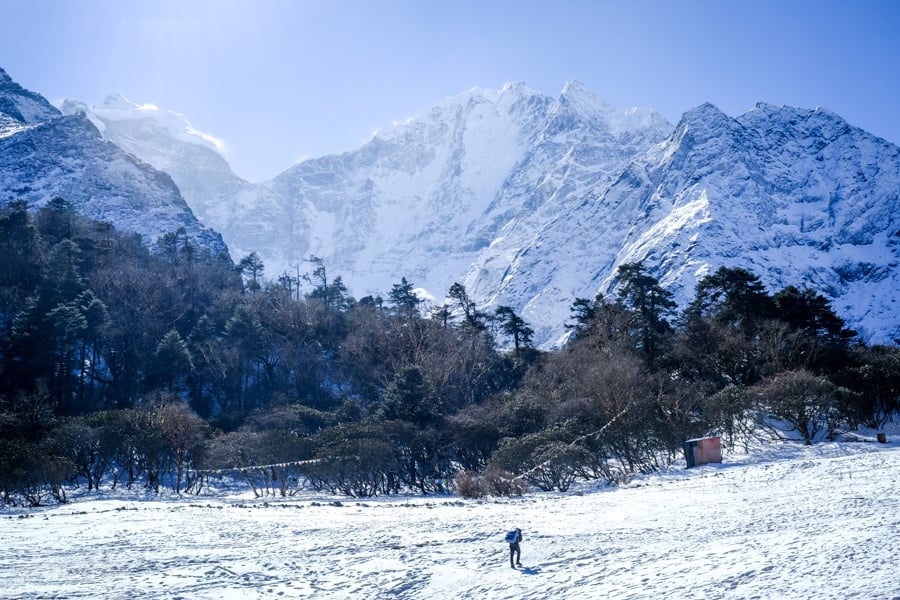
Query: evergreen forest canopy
{"points": [[167, 366]]}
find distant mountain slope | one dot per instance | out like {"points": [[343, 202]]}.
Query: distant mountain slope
{"points": [[532, 201], [44, 154], [425, 198], [21, 105], [167, 141], [799, 197], [420, 200]]}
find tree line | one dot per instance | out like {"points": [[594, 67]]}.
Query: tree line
{"points": [[123, 364]]}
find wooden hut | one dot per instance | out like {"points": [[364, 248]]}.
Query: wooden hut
{"points": [[703, 451]]}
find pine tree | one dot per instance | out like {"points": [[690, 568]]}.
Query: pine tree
{"points": [[807, 310], [732, 296], [403, 298], [651, 302], [584, 312], [172, 362], [251, 267], [472, 318], [515, 327]]}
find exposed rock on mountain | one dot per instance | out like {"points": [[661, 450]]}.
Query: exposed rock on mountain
{"points": [[532, 201], [44, 154]]}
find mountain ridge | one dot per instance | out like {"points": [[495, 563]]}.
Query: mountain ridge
{"points": [[23, 105], [532, 201], [807, 218], [45, 153]]}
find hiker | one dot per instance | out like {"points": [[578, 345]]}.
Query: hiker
{"points": [[515, 550]]}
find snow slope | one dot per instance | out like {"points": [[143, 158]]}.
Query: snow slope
{"points": [[798, 197], [785, 521], [22, 105], [167, 141], [45, 154], [533, 201]]}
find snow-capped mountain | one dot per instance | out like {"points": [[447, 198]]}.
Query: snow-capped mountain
{"points": [[532, 201], [421, 200], [425, 199], [167, 141], [44, 154], [20, 106], [798, 197]]}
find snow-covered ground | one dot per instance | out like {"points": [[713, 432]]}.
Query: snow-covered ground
{"points": [[784, 521]]}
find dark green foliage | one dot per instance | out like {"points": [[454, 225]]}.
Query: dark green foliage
{"points": [[20, 249], [543, 459], [332, 294], [806, 310], [514, 326], [473, 320], [650, 303], [267, 449], [166, 367], [172, 362], [474, 438], [583, 312], [91, 443], [809, 404], [355, 459], [251, 268], [409, 398], [730, 411], [873, 374], [403, 298], [734, 296]]}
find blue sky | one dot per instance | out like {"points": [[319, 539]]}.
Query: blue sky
{"points": [[281, 80]]}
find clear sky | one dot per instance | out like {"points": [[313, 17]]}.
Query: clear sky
{"points": [[282, 80]]}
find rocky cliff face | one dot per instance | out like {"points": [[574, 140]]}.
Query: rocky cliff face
{"points": [[532, 201], [796, 196], [44, 154], [427, 198], [18, 105], [167, 141]]}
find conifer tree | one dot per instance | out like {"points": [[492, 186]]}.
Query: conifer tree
{"points": [[732, 296], [251, 267], [642, 293], [403, 297], [515, 327], [473, 319]]}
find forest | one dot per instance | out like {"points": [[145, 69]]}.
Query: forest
{"points": [[167, 367]]}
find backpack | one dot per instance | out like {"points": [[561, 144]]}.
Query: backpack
{"points": [[512, 537]]}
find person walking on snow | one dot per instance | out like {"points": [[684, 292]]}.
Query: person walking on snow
{"points": [[515, 550]]}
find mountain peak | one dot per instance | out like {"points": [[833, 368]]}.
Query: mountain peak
{"points": [[578, 102], [764, 109], [704, 118], [517, 87], [510, 91], [575, 86], [117, 100], [577, 95], [22, 105], [116, 108], [65, 155], [803, 123], [704, 111]]}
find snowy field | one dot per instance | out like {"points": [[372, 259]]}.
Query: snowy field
{"points": [[785, 521]]}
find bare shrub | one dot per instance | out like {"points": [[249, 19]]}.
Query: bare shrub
{"points": [[470, 485]]}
